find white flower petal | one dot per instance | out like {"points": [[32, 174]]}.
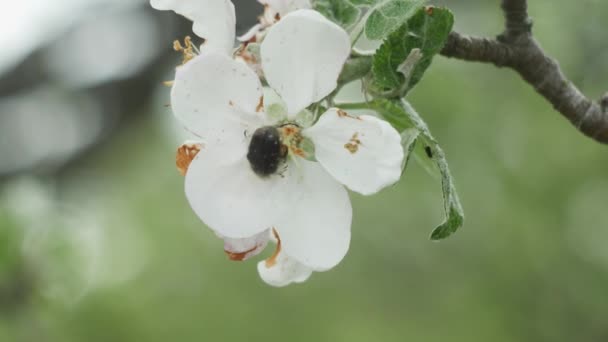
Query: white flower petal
{"points": [[302, 56], [230, 198], [252, 32], [317, 230], [214, 95], [214, 20], [364, 153], [285, 6], [284, 271], [245, 248]]}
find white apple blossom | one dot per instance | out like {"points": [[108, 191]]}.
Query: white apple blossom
{"points": [[215, 20], [274, 10], [253, 178], [283, 7]]}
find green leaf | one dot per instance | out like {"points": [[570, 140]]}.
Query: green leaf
{"points": [[341, 12], [355, 68], [391, 111], [427, 31], [454, 214], [408, 142], [366, 3], [402, 116], [386, 16]]}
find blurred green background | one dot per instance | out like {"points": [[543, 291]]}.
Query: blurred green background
{"points": [[97, 241]]}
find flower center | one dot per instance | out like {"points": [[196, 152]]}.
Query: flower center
{"points": [[296, 143], [266, 152]]}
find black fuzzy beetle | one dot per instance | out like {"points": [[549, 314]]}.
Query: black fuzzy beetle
{"points": [[266, 152]]}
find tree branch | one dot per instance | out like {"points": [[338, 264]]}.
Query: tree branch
{"points": [[516, 48], [517, 21]]}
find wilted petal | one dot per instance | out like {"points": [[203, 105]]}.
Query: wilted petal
{"points": [[283, 271], [213, 20], [282, 7], [185, 154], [364, 153], [302, 56], [245, 248], [216, 98], [317, 230]]}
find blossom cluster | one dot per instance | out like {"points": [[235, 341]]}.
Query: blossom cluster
{"points": [[273, 158]]}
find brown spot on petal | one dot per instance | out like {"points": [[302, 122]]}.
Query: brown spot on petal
{"points": [[353, 144], [260, 106], [272, 260], [185, 155], [352, 148], [239, 256], [344, 114]]}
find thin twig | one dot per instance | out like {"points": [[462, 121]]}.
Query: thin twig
{"points": [[517, 49]]}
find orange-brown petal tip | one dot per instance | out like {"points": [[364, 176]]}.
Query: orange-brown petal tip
{"points": [[185, 155]]}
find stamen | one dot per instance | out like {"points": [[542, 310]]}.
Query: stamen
{"points": [[272, 260], [177, 46], [188, 50], [292, 138], [185, 155]]}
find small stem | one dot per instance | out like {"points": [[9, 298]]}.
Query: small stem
{"points": [[356, 39], [359, 29], [355, 68]]}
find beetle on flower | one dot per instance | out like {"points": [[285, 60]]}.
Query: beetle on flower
{"points": [[266, 169]]}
